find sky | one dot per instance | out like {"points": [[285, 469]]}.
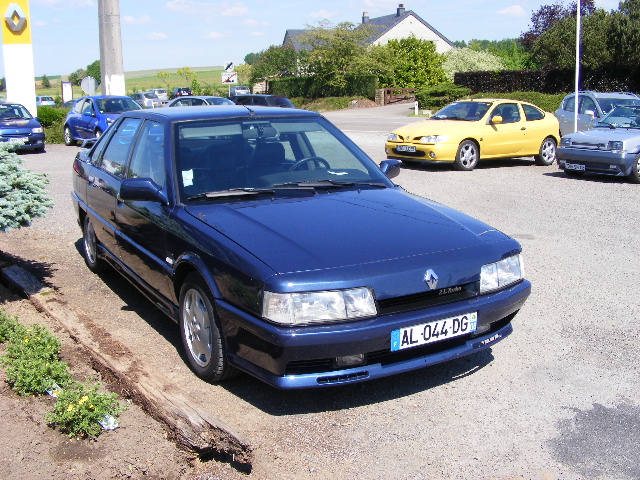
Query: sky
{"points": [[163, 34]]}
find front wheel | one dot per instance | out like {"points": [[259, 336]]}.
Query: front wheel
{"points": [[547, 154], [68, 138], [200, 331], [635, 171], [90, 246], [467, 156]]}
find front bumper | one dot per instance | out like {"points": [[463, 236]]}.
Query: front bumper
{"points": [[604, 162], [431, 152], [303, 357], [31, 141]]}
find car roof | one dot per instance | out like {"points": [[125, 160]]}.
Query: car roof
{"points": [[231, 111], [100, 97]]}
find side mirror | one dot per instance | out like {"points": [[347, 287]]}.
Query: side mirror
{"points": [[497, 119], [590, 113], [142, 190], [391, 168]]}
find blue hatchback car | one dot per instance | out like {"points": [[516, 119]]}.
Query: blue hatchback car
{"points": [[17, 126], [282, 250], [91, 116]]}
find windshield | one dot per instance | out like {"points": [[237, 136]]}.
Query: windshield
{"points": [[269, 153], [466, 111], [622, 117], [607, 104], [116, 105], [12, 112]]}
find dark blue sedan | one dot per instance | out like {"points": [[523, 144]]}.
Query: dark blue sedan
{"points": [[283, 251], [91, 116], [19, 128]]}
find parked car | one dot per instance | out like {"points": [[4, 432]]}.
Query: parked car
{"points": [[467, 131], [263, 100], [282, 250], [592, 107], [612, 147], [19, 127], [68, 105], [198, 101], [180, 92], [146, 99], [45, 101], [161, 93], [239, 90], [92, 115]]}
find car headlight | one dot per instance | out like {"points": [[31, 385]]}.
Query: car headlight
{"points": [[565, 141], [317, 307], [433, 139], [393, 137], [617, 145], [495, 276], [37, 130]]}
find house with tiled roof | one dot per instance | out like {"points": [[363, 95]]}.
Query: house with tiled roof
{"points": [[402, 24]]}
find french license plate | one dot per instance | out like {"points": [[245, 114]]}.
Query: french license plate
{"points": [[18, 140], [406, 148], [433, 331], [574, 166]]}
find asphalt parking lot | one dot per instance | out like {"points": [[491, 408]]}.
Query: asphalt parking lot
{"points": [[558, 399]]}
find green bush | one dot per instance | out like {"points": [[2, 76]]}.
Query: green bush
{"points": [[438, 96], [51, 115], [8, 324]]}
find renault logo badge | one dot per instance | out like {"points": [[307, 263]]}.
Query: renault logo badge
{"points": [[431, 279]]}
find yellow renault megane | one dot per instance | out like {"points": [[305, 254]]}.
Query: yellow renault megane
{"points": [[467, 131]]}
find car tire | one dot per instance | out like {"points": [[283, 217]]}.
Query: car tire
{"points": [[68, 138], [547, 154], [467, 156], [90, 247], [201, 333], [635, 171]]}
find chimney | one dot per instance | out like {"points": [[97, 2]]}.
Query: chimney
{"points": [[365, 17], [400, 10]]}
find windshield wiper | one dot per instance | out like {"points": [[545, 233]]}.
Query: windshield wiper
{"points": [[328, 184], [233, 192]]}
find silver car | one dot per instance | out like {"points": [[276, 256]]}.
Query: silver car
{"points": [[161, 93], [146, 99], [192, 100], [612, 147], [592, 106]]}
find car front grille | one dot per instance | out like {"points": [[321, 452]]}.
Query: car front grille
{"points": [[426, 299]]}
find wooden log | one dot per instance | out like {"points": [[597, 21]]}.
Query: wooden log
{"points": [[191, 426]]}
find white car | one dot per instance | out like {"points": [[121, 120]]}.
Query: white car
{"points": [[161, 93]]}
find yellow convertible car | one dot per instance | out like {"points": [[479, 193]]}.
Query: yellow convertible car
{"points": [[467, 131]]}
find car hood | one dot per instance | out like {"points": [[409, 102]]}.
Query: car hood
{"points": [[362, 232], [18, 126], [436, 127], [604, 135]]}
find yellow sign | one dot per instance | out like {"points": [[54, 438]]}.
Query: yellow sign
{"points": [[16, 23]]}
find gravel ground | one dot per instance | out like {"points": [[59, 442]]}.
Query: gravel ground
{"points": [[558, 399]]}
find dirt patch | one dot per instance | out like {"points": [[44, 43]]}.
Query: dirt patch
{"points": [[140, 448]]}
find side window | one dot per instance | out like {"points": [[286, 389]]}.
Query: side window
{"points": [[532, 113], [197, 101], [508, 111], [79, 105], [569, 104], [87, 107], [148, 154], [586, 103], [114, 157]]}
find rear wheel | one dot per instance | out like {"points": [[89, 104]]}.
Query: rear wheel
{"points": [[68, 139], [635, 171], [547, 153], [200, 331], [467, 156], [90, 246]]}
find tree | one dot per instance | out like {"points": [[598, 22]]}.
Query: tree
{"points": [[93, 70], [44, 82], [411, 63], [251, 58], [468, 60], [164, 77], [76, 77], [23, 196], [510, 50], [275, 61], [549, 15], [336, 53]]}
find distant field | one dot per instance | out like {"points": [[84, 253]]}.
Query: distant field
{"points": [[143, 80]]}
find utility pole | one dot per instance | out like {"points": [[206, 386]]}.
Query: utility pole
{"points": [[111, 66]]}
